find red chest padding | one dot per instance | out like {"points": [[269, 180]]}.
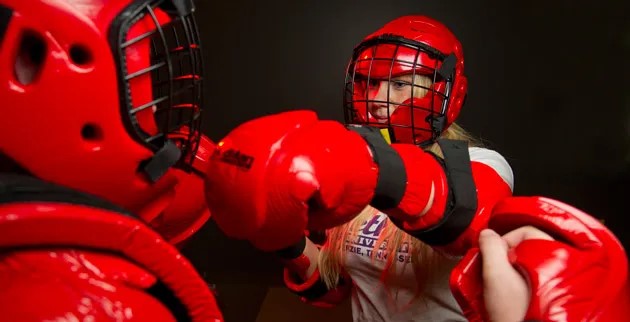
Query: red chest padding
{"points": [[35, 214], [61, 284]]}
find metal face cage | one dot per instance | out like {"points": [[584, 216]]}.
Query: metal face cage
{"points": [[381, 60], [161, 95]]}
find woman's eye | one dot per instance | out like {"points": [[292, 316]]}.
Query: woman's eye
{"points": [[399, 84]]}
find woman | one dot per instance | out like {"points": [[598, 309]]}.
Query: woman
{"points": [[407, 80], [431, 190]]}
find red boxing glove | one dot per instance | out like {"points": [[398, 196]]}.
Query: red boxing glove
{"points": [[582, 275], [273, 177]]}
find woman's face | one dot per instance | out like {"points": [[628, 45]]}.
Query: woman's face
{"points": [[384, 97]]}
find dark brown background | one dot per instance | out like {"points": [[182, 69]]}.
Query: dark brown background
{"points": [[548, 89]]}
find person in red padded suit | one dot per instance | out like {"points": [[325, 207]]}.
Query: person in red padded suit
{"points": [[403, 194], [101, 161]]}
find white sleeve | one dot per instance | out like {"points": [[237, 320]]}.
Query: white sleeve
{"points": [[494, 160]]}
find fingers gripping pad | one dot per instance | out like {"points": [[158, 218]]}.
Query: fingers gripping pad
{"points": [[562, 272]]}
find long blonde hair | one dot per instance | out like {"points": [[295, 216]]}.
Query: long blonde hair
{"points": [[423, 258]]}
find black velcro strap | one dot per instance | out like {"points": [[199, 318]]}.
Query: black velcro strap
{"points": [[294, 251], [163, 159], [462, 203], [5, 17], [318, 289], [448, 66], [392, 177], [21, 188]]}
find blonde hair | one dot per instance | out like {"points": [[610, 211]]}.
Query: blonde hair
{"points": [[423, 257]]}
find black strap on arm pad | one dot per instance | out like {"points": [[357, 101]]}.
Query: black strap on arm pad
{"points": [[392, 177], [462, 200]]}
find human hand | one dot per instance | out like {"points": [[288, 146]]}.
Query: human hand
{"points": [[506, 292]]}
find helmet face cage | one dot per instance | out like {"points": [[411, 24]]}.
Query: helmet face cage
{"points": [[392, 61], [170, 79]]}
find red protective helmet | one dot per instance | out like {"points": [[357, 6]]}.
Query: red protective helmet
{"points": [[420, 59], [96, 94], [188, 211]]}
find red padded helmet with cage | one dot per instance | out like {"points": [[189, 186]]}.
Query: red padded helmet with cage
{"points": [[417, 46], [95, 95]]}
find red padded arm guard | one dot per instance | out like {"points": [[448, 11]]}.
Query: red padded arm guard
{"points": [[443, 202], [456, 196]]}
